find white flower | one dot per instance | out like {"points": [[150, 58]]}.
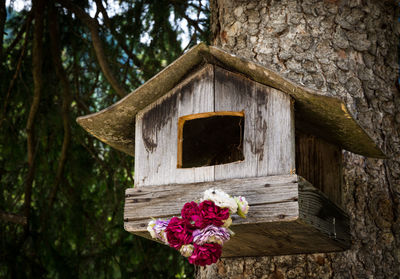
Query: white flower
{"points": [[186, 250], [150, 228], [221, 199], [243, 206], [157, 228]]}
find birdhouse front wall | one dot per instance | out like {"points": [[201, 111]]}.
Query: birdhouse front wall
{"points": [[268, 130]]}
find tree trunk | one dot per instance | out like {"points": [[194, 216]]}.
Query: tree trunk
{"points": [[342, 48]]}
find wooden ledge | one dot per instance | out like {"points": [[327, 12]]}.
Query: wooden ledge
{"points": [[287, 214]]}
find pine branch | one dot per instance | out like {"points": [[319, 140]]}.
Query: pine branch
{"points": [[192, 23], [13, 218], [66, 97], [97, 44], [37, 63], [76, 85], [185, 3], [120, 40], [93, 152], [14, 78], [3, 16], [24, 30], [182, 12]]}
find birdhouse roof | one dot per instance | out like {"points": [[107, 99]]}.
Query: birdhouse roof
{"points": [[324, 115]]}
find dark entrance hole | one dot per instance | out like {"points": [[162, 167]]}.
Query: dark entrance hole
{"points": [[207, 139]]}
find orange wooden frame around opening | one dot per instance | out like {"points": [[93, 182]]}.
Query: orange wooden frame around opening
{"points": [[183, 119]]}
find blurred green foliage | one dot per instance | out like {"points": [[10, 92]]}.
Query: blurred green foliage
{"points": [[80, 233]]}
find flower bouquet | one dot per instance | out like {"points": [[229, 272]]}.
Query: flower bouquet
{"points": [[202, 228]]}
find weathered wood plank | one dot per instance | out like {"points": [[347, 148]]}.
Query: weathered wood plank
{"points": [[320, 162], [141, 203], [154, 128], [141, 162], [157, 132], [265, 213], [287, 215], [268, 129], [196, 97], [274, 132], [236, 93]]}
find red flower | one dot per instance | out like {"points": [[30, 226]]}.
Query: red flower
{"points": [[191, 213], [179, 232], [212, 214], [205, 254]]}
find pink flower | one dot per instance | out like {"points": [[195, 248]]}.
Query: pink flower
{"points": [[211, 234], [205, 254], [179, 232], [212, 214], [157, 228], [191, 213]]}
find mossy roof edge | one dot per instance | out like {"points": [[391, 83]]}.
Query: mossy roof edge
{"points": [[115, 125]]}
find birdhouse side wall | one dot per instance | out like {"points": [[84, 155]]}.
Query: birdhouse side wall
{"points": [[268, 135], [320, 162]]}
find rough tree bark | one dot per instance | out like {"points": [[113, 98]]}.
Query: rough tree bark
{"points": [[343, 48]]}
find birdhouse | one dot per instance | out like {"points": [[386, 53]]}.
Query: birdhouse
{"points": [[214, 120]]}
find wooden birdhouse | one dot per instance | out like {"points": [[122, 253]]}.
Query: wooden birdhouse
{"points": [[211, 119]]}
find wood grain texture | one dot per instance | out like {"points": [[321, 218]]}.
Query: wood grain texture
{"points": [[268, 129], [166, 200], [154, 132], [287, 214], [235, 93], [197, 96], [318, 210], [320, 162], [157, 132], [277, 142]]}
